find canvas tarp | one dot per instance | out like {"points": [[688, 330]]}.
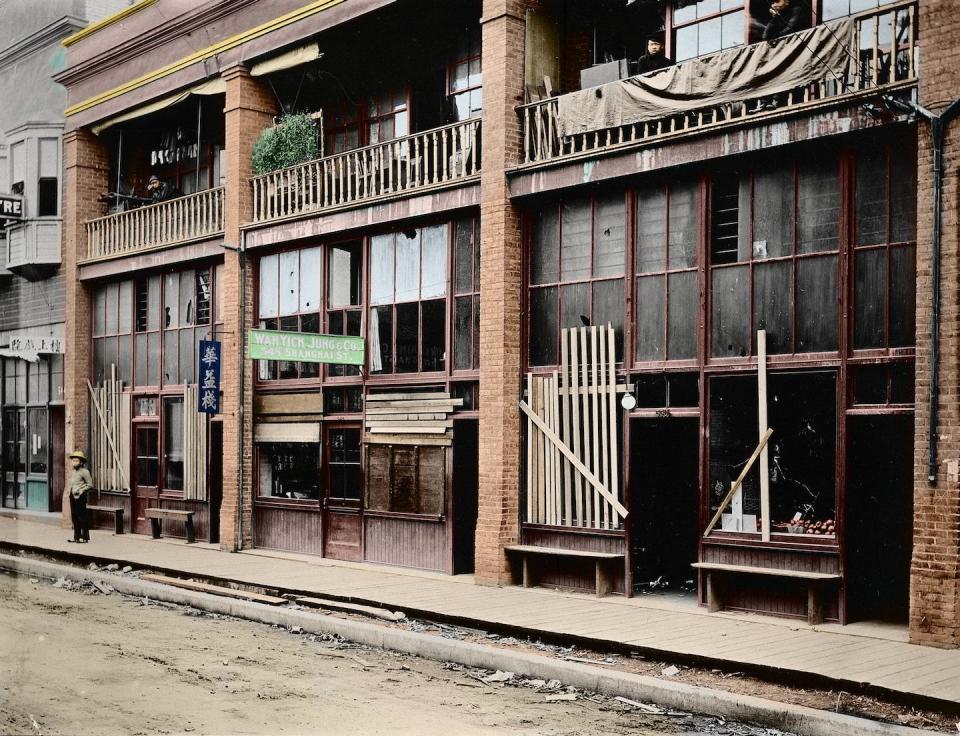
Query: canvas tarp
{"points": [[729, 76]]}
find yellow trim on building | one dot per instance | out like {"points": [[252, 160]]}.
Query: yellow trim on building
{"points": [[108, 21], [218, 48]]}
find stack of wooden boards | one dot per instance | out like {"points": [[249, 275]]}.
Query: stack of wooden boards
{"points": [[110, 434], [413, 418]]}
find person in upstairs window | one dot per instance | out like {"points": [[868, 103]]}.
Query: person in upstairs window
{"points": [[654, 58], [786, 17], [161, 191], [80, 486]]}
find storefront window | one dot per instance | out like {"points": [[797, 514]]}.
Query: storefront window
{"points": [[408, 306], [775, 241], [112, 323], [576, 274], [290, 285], [289, 470], [406, 479], [802, 410], [667, 258]]}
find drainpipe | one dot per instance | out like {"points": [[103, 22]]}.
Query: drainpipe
{"points": [[938, 128], [242, 258]]}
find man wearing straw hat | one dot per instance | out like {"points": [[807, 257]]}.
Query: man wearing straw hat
{"points": [[80, 484]]}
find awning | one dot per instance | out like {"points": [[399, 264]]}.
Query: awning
{"points": [[287, 432], [296, 57], [28, 356], [212, 87]]}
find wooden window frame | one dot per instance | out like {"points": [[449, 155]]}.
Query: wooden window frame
{"points": [[329, 502]]}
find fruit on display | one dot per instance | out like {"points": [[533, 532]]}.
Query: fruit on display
{"points": [[823, 527]]}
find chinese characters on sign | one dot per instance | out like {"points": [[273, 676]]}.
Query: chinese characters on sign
{"points": [[208, 377]]}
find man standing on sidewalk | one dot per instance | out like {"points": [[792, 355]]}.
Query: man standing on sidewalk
{"points": [[80, 485]]}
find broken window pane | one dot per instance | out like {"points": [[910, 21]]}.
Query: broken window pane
{"points": [[651, 230], [574, 304], [817, 304], [870, 293], [773, 304], [726, 226], [684, 308], [818, 221], [608, 309], [345, 285], [731, 312], [733, 436], [773, 214], [543, 326], [575, 240], [289, 282], [651, 312], [310, 282], [381, 340], [408, 266], [269, 280], [608, 239], [683, 244], [545, 265]]}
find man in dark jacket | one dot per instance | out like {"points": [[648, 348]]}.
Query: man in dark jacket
{"points": [[161, 191], [786, 17], [654, 58]]}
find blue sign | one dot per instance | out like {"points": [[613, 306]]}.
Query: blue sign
{"points": [[208, 377]]}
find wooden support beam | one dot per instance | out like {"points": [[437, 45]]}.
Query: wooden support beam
{"points": [[737, 483], [762, 421]]}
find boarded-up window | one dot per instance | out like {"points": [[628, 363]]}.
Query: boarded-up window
{"points": [[406, 479]]}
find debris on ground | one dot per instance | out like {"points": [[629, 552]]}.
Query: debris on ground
{"points": [[670, 671], [499, 676]]}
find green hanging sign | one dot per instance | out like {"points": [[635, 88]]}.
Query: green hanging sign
{"points": [[305, 347]]}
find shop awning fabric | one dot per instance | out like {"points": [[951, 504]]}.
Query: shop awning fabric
{"points": [[213, 87], [735, 75]]}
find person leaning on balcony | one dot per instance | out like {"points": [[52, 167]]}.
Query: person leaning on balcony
{"points": [[80, 485], [786, 17], [654, 58], [161, 191]]}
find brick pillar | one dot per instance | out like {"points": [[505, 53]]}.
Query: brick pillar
{"points": [[500, 282], [85, 178], [250, 108], [935, 570]]}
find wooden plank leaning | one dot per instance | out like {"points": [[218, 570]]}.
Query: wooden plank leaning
{"points": [[567, 517], [737, 483], [565, 451], [113, 447]]}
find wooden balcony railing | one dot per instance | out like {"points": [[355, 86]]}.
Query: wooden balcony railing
{"points": [[168, 223], [433, 157], [883, 55]]}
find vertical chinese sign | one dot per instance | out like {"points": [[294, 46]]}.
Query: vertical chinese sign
{"points": [[209, 377]]}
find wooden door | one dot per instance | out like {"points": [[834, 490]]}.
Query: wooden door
{"points": [[343, 496], [146, 491]]}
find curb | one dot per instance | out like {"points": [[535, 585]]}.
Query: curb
{"points": [[674, 695]]}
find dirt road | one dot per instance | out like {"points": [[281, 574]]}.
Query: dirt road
{"points": [[77, 662]]}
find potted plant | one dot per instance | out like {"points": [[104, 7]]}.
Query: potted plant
{"points": [[291, 141]]}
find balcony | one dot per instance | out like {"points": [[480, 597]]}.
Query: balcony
{"points": [[886, 41], [175, 222], [437, 158]]}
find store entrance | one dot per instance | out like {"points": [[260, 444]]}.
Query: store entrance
{"points": [[879, 517], [465, 482], [663, 503], [146, 475]]}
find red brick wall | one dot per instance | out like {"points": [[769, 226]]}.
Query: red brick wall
{"points": [[497, 516], [250, 108], [934, 587], [86, 171]]}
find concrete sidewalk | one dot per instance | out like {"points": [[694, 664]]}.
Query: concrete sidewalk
{"points": [[835, 656]]}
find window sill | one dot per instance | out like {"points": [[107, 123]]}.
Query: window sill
{"points": [[303, 504], [409, 517], [792, 542]]}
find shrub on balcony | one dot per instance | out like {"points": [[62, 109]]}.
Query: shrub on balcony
{"points": [[292, 141]]}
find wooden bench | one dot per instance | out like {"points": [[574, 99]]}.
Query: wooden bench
{"points": [[816, 581], [604, 561], [117, 515], [156, 515]]}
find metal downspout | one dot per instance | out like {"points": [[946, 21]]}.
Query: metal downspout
{"points": [[242, 259]]}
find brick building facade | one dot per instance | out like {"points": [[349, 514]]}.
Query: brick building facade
{"points": [[783, 216]]}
